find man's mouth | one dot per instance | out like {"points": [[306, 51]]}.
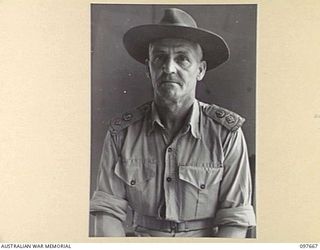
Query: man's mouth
{"points": [[170, 81]]}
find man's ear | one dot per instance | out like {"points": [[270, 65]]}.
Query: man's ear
{"points": [[147, 68], [202, 70]]}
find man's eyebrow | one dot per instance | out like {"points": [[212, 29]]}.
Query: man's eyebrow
{"points": [[157, 50], [163, 50], [185, 51]]}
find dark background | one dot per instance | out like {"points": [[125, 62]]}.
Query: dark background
{"points": [[119, 83]]}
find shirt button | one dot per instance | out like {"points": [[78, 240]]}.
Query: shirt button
{"points": [[132, 182], [169, 179], [169, 150], [202, 186]]}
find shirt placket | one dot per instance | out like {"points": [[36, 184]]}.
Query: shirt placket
{"points": [[171, 179]]}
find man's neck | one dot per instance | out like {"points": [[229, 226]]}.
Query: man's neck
{"points": [[173, 114]]}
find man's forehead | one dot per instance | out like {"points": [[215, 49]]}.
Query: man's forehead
{"points": [[166, 43]]}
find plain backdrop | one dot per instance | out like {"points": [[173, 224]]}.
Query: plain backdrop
{"points": [[119, 83]]}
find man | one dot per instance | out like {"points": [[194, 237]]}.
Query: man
{"points": [[180, 164]]}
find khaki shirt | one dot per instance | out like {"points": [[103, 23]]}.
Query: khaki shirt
{"points": [[202, 173]]}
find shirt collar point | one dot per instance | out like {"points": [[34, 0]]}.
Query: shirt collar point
{"points": [[197, 136]]}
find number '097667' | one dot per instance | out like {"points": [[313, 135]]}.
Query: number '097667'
{"points": [[309, 245]]}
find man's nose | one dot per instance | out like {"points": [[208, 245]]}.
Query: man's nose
{"points": [[169, 66]]}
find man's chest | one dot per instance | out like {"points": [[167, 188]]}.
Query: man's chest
{"points": [[186, 171], [180, 150]]}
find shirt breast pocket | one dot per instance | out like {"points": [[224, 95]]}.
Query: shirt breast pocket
{"points": [[138, 176], [199, 190]]}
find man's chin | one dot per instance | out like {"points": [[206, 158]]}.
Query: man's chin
{"points": [[169, 87], [168, 94]]}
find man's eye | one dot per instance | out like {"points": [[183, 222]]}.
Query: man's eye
{"points": [[184, 60], [158, 58]]}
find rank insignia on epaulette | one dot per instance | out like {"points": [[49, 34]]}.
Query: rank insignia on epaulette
{"points": [[127, 116], [226, 118], [116, 122], [126, 119], [220, 113], [230, 119]]}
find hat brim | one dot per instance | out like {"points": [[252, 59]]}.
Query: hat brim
{"points": [[137, 40]]}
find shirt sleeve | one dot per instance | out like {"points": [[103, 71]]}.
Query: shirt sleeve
{"points": [[236, 189], [110, 194]]}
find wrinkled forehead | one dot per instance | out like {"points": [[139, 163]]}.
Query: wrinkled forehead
{"points": [[180, 45]]}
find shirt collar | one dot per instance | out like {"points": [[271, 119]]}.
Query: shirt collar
{"points": [[155, 119], [193, 120]]}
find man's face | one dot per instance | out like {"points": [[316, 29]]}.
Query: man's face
{"points": [[175, 66]]}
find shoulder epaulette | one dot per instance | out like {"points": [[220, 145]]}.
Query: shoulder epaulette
{"points": [[225, 117], [126, 119]]}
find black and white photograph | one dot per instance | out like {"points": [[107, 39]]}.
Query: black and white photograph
{"points": [[173, 102], [138, 123]]}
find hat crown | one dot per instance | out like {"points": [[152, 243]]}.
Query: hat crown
{"points": [[178, 17]]}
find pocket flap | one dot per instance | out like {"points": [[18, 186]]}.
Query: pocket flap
{"points": [[200, 177], [134, 172]]}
